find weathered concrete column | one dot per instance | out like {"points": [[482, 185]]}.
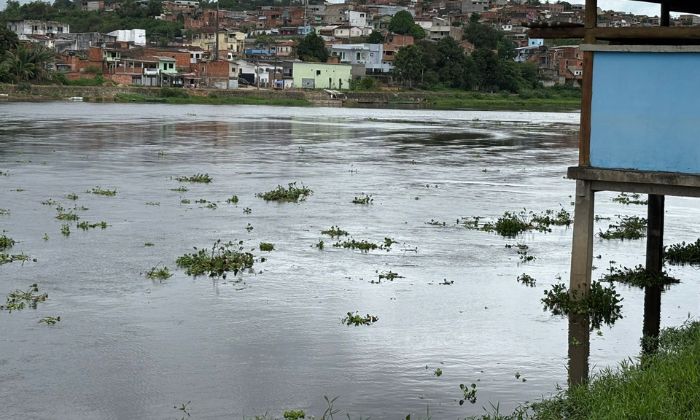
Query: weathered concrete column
{"points": [[580, 281], [654, 264]]}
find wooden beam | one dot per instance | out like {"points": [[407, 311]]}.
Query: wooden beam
{"points": [[654, 264], [591, 14], [584, 135], [665, 16], [557, 33], [634, 177], [582, 249], [660, 33]]}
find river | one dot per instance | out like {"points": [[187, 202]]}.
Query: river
{"points": [[260, 343]]}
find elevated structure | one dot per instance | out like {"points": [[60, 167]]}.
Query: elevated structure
{"points": [[640, 94]]}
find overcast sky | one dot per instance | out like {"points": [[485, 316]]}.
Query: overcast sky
{"points": [[636, 7]]}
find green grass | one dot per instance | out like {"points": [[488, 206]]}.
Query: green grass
{"points": [[485, 101], [665, 386], [207, 100]]}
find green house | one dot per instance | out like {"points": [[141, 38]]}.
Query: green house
{"points": [[322, 76]]}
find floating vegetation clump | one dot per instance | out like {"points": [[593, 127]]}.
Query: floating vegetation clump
{"points": [[72, 196], [148, 244], [522, 250], [365, 246], [196, 178], [207, 204], [65, 229], [334, 232], [438, 372], [434, 222], [6, 242], [180, 189], [249, 227], [683, 253], [9, 258], [86, 225], [247, 210], [67, 216], [266, 246], [364, 199], [18, 300], [294, 414], [320, 245], [159, 273], [232, 200], [602, 304], [290, 194], [512, 224], [527, 280], [357, 319], [4, 212], [628, 227], [50, 320], [639, 277], [217, 262], [389, 275], [627, 199], [102, 191], [49, 202], [153, 203], [469, 393], [185, 201]]}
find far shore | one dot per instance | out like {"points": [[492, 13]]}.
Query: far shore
{"points": [[540, 100]]}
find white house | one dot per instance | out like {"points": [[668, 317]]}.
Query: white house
{"points": [[369, 55], [357, 18], [25, 28], [136, 36]]}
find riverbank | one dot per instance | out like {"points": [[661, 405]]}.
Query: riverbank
{"points": [[663, 386], [545, 100]]}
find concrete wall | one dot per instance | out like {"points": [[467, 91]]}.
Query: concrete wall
{"points": [[324, 76]]}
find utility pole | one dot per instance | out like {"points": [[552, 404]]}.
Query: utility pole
{"points": [[216, 34]]}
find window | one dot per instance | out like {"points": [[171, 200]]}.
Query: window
{"points": [[170, 65], [60, 29], [358, 56], [318, 72]]}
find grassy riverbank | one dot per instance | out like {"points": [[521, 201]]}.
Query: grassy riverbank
{"points": [[211, 100], [663, 386]]}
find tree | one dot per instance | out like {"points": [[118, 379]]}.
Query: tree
{"points": [[8, 40], [375, 37], [312, 48], [401, 23], [409, 65], [26, 63]]}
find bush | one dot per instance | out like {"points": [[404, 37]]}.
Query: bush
{"points": [[173, 93]]}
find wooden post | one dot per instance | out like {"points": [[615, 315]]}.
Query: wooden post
{"points": [[580, 281], [654, 264], [665, 16]]}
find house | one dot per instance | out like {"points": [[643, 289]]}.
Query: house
{"points": [[322, 75], [351, 32], [25, 29], [394, 43], [229, 41], [134, 36], [92, 5], [369, 55], [82, 41], [220, 74]]}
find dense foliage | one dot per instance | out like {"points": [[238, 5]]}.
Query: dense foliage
{"points": [[402, 23], [312, 48]]}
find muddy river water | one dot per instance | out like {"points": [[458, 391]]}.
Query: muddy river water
{"points": [[260, 343]]}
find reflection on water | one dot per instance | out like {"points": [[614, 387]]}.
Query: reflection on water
{"points": [[127, 347]]}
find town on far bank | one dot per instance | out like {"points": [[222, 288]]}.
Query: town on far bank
{"points": [[471, 45]]}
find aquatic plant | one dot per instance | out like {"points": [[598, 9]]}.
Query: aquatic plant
{"points": [[232, 200], [18, 300], [357, 319], [290, 194], [364, 199], [45, 237], [320, 245], [683, 253], [67, 216], [512, 224], [85, 225], [4, 212], [389, 275], [159, 273], [207, 204], [433, 222], [438, 372], [6, 242], [50, 320], [148, 244], [185, 201], [522, 251], [294, 414], [469, 393], [362, 245], [638, 276], [526, 280], [101, 191], [628, 227], [217, 262], [249, 227], [247, 210], [627, 199], [601, 304], [551, 218], [72, 196], [153, 203], [180, 189], [196, 178], [49, 202], [334, 232], [9, 258], [65, 229], [266, 246]]}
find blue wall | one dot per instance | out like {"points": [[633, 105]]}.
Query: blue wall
{"points": [[645, 111]]}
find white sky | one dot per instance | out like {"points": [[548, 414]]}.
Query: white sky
{"points": [[636, 7]]}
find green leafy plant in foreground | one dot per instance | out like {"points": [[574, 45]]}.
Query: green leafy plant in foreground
{"points": [[217, 262], [291, 194], [294, 414], [196, 178], [601, 304], [18, 300], [357, 319]]}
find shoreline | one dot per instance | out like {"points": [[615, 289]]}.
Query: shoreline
{"points": [[438, 100]]}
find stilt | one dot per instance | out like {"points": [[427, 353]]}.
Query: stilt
{"points": [[654, 264], [580, 281]]}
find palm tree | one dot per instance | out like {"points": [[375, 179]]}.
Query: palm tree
{"points": [[26, 63]]}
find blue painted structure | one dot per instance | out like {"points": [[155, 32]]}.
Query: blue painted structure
{"points": [[645, 111]]}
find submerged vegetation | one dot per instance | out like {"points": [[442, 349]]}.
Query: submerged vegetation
{"points": [[683, 253], [86, 225], [159, 273], [364, 245], [512, 224], [602, 304], [290, 194], [334, 232], [102, 191], [224, 257], [196, 178]]}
